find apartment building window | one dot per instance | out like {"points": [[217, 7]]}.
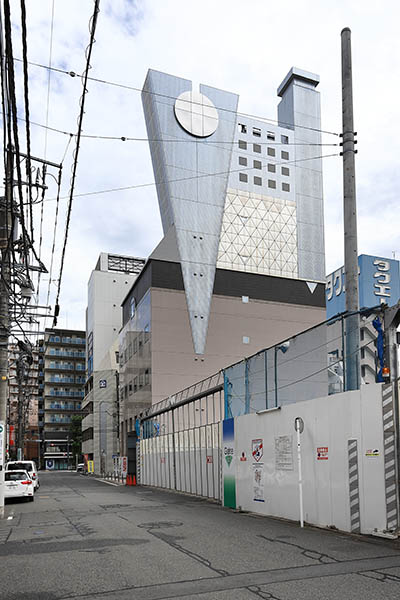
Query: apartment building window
{"points": [[257, 148], [146, 377], [271, 151], [256, 164], [243, 161], [285, 155], [257, 131], [130, 350], [271, 168], [242, 128], [242, 145], [130, 388], [146, 333], [135, 346], [285, 187], [284, 139], [135, 385], [270, 135], [272, 184], [285, 171], [243, 177], [257, 181]]}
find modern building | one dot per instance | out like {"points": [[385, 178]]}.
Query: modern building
{"points": [[379, 283], [23, 406], [241, 264], [108, 284], [62, 383]]}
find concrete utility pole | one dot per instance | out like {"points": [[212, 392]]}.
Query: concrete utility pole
{"points": [[5, 276], [352, 359]]}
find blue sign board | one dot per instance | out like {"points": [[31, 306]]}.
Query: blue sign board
{"points": [[379, 282]]}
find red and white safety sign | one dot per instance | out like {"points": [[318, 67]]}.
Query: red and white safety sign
{"points": [[322, 453]]}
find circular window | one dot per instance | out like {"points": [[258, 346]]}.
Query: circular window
{"points": [[196, 114]]}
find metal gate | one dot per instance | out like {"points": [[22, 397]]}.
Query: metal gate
{"points": [[180, 446]]}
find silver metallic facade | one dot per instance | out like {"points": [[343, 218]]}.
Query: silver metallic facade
{"points": [[235, 192]]}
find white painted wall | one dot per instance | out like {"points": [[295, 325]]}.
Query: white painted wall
{"points": [[329, 422]]}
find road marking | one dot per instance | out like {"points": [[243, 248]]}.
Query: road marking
{"points": [[43, 496], [107, 482]]}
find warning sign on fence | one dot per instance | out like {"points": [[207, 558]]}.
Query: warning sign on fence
{"points": [[322, 453]]}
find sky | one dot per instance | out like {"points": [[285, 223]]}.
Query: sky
{"points": [[246, 47]]}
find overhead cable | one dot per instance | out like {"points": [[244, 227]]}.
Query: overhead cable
{"points": [[140, 90], [76, 152]]}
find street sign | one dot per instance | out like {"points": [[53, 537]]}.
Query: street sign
{"points": [[299, 424], [103, 383]]}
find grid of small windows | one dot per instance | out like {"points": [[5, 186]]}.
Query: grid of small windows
{"points": [[243, 161], [257, 131], [285, 187], [271, 151], [272, 184], [242, 145], [243, 177], [257, 164], [285, 171], [284, 155], [257, 181], [257, 148], [271, 168]]}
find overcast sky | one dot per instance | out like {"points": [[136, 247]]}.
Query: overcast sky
{"points": [[243, 46]]}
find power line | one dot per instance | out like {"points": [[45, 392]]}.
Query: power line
{"points": [[140, 90], [209, 142], [144, 185], [89, 49], [49, 77], [26, 102]]}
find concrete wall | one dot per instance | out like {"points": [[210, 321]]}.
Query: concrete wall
{"points": [[347, 450]]}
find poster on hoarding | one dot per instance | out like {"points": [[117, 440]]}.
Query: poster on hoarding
{"points": [[284, 453], [258, 482]]}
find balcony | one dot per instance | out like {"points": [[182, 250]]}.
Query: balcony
{"points": [[55, 406], [63, 394]]}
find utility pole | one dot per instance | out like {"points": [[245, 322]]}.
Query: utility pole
{"points": [[5, 280], [352, 359]]}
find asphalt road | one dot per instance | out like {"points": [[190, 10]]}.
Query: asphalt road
{"points": [[87, 539]]}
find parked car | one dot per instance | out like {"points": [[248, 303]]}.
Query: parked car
{"points": [[18, 484], [80, 468], [25, 465]]}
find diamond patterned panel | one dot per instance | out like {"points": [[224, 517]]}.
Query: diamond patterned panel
{"points": [[259, 235]]}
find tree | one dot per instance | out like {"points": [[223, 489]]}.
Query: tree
{"points": [[75, 437]]}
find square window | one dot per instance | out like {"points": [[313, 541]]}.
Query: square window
{"points": [[271, 168], [257, 181], [271, 151], [256, 131], [257, 164], [285, 155], [243, 177], [257, 148], [284, 139], [242, 128], [285, 171], [272, 184], [245, 299], [246, 339], [285, 187], [243, 161], [270, 135], [242, 145]]}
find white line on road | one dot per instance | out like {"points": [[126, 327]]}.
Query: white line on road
{"points": [[107, 482]]}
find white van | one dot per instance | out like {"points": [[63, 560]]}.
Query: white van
{"points": [[25, 465]]}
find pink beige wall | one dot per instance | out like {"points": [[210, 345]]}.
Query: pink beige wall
{"points": [[174, 364]]}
